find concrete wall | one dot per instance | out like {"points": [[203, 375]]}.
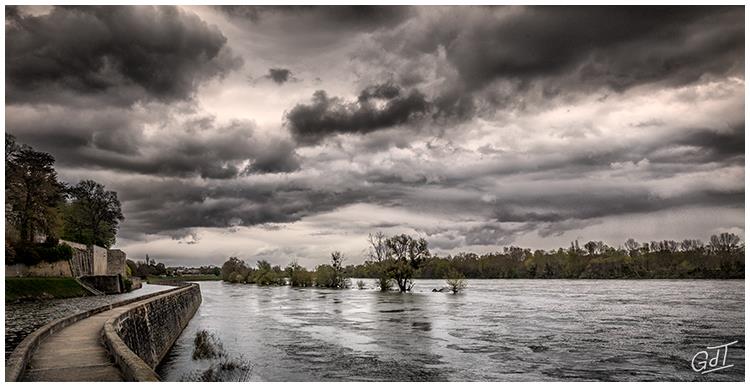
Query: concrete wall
{"points": [[93, 260], [116, 262], [139, 338], [99, 257], [41, 269], [109, 284]]}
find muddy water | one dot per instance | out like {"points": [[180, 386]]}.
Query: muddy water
{"points": [[497, 330]]}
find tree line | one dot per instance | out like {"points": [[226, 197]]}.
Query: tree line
{"points": [[393, 262], [40, 209], [396, 258], [722, 257]]}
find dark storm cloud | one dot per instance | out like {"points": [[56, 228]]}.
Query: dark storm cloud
{"points": [[612, 201], [569, 48], [279, 75], [354, 17], [332, 115], [114, 140], [717, 145], [118, 54], [170, 205], [492, 235]]}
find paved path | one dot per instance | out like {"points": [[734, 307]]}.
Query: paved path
{"points": [[75, 353]]}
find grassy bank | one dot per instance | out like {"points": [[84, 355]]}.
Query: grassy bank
{"points": [[39, 288]]}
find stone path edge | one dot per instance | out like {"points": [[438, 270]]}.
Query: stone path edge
{"points": [[133, 368], [18, 360]]}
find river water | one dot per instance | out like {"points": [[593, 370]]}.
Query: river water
{"points": [[25, 317], [496, 330]]}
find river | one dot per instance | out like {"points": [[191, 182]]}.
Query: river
{"points": [[496, 330]]}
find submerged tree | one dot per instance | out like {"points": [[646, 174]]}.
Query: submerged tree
{"points": [[298, 275], [333, 275], [456, 282], [266, 275], [407, 255], [378, 257]]}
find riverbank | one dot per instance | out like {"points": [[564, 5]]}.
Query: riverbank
{"points": [[42, 288]]}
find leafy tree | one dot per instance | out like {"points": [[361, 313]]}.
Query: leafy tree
{"points": [[298, 275], [93, 214], [332, 276], [32, 190], [264, 275], [407, 255]]}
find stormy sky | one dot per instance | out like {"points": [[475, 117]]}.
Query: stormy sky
{"points": [[284, 133]]}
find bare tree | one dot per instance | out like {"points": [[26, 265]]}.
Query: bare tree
{"points": [[378, 255]]}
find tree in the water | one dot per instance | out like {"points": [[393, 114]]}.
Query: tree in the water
{"points": [[378, 257], [332, 276], [32, 190], [407, 255], [93, 214]]}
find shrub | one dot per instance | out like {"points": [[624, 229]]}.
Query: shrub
{"points": [[207, 346], [456, 282], [384, 283], [225, 370], [128, 284], [299, 276], [31, 254]]}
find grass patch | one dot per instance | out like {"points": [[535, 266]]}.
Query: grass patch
{"points": [[40, 288]]}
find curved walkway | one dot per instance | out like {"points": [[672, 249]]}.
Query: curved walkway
{"points": [[75, 353]]}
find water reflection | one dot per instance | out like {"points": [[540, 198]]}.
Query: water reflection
{"points": [[498, 330]]}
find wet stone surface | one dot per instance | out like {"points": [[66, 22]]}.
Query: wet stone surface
{"points": [[23, 318]]}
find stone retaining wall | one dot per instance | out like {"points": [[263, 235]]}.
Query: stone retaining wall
{"points": [[18, 360], [107, 284], [139, 338]]}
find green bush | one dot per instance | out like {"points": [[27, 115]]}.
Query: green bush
{"points": [[31, 254], [128, 284]]}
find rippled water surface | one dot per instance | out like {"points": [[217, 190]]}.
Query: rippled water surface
{"points": [[25, 317], [497, 330]]}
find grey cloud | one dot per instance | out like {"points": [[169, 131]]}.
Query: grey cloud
{"points": [[114, 140], [332, 115], [618, 47], [279, 75], [334, 18], [557, 51], [185, 205], [120, 55]]}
